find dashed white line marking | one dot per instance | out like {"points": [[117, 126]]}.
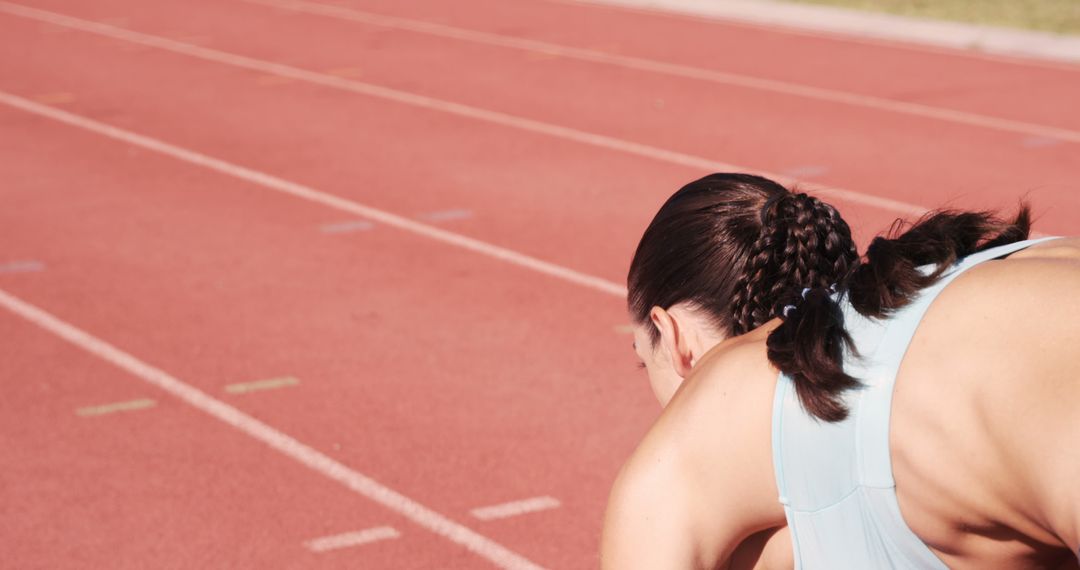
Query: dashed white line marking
{"points": [[346, 227], [269, 80], [105, 409], [59, 98], [808, 171], [548, 50], [275, 439], [312, 195], [353, 72], [1040, 142], [515, 508], [259, 385], [348, 539], [21, 267], [447, 215], [449, 107]]}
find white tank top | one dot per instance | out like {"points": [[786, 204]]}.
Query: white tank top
{"points": [[835, 479]]}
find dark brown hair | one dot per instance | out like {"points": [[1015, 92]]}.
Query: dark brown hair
{"points": [[741, 248]]}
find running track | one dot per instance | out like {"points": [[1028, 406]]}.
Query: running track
{"points": [[420, 214]]}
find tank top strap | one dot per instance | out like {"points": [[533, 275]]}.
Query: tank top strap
{"points": [[872, 429]]}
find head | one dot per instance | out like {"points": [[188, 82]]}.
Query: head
{"points": [[729, 253], [722, 257]]}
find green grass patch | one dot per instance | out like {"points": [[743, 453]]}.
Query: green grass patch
{"points": [[1057, 16]]}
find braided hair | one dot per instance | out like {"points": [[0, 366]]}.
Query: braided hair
{"points": [[745, 250]]}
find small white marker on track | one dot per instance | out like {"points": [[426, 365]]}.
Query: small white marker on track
{"points": [[346, 227], [808, 171], [350, 72], [259, 385], [515, 508], [1040, 142], [58, 98], [104, 409], [447, 215], [21, 267], [356, 538]]}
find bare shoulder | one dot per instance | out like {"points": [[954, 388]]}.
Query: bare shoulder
{"points": [[1062, 248], [1019, 315], [1041, 283], [701, 481]]}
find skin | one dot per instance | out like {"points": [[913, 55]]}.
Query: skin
{"points": [[983, 432]]}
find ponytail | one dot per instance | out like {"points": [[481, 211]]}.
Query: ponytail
{"points": [[888, 279], [809, 345], [745, 250]]}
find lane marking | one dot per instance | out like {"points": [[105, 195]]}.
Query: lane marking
{"points": [[346, 227], [105, 409], [318, 197], [808, 171], [515, 508], [447, 215], [287, 445], [345, 72], [59, 98], [1040, 142], [21, 267], [449, 107], [259, 385], [549, 50], [270, 80], [116, 21], [347, 539]]}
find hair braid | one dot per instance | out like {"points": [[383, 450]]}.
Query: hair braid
{"points": [[803, 242]]}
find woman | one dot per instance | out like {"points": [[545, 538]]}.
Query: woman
{"points": [[779, 353]]}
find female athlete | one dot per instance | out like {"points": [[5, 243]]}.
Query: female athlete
{"points": [[914, 407]]}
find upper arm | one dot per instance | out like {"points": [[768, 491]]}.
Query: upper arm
{"points": [[701, 481], [647, 521], [658, 516]]}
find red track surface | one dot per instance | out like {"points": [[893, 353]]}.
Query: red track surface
{"points": [[453, 378]]}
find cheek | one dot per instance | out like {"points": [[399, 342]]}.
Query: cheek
{"points": [[663, 383]]}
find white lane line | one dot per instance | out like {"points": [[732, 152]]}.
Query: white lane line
{"points": [[676, 70], [312, 195], [259, 385], [515, 508], [316, 461], [459, 109], [21, 267], [346, 227], [356, 538], [447, 215], [105, 409]]}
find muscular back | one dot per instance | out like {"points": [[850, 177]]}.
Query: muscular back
{"points": [[986, 414], [986, 419]]}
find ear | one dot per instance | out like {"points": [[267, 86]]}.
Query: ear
{"points": [[674, 339]]}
